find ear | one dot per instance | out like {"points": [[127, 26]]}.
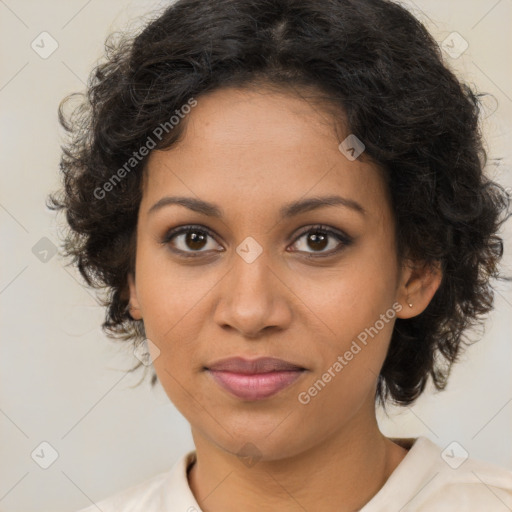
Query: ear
{"points": [[419, 282], [135, 312]]}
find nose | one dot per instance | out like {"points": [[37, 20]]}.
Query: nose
{"points": [[253, 299]]}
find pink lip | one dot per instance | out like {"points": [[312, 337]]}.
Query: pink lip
{"points": [[251, 366], [255, 386]]}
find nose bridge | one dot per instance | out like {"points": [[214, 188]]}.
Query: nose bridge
{"points": [[249, 281], [251, 297]]}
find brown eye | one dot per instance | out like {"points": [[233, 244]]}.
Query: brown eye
{"points": [[189, 240], [318, 239], [195, 240]]}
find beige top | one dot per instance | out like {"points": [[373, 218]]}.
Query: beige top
{"points": [[429, 479]]}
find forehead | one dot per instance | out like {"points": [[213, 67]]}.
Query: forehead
{"points": [[261, 147]]}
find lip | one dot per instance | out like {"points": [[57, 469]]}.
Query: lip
{"points": [[257, 386], [255, 379], [253, 366]]}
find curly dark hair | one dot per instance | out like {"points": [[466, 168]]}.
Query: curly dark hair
{"points": [[374, 61]]}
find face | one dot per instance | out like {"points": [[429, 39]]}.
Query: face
{"points": [[303, 287]]}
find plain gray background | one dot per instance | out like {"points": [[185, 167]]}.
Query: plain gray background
{"points": [[64, 383]]}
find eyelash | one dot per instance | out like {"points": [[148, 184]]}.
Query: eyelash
{"points": [[344, 239]]}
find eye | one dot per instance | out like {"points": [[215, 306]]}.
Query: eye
{"points": [[187, 240], [319, 238], [192, 241]]}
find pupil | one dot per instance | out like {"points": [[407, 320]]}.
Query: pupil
{"points": [[315, 238], [193, 238], [196, 241]]}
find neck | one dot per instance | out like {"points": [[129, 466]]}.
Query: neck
{"points": [[340, 474]]}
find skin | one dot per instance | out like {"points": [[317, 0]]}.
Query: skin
{"points": [[250, 152]]}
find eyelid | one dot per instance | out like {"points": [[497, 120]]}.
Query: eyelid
{"points": [[326, 229], [183, 229], [344, 240], [339, 235]]}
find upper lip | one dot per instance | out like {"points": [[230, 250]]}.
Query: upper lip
{"points": [[251, 366]]}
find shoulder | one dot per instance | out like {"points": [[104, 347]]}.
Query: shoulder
{"points": [[132, 498], [455, 481], [168, 490], [474, 485], [435, 479]]}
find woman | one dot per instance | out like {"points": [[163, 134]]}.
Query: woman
{"points": [[286, 201]]}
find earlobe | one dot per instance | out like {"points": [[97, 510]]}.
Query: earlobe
{"points": [[134, 306], [418, 288]]}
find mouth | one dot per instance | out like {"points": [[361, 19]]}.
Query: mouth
{"points": [[254, 379], [257, 386], [252, 366]]}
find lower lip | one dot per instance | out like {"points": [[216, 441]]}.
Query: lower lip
{"points": [[255, 386]]}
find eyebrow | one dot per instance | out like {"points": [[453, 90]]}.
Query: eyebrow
{"points": [[287, 211]]}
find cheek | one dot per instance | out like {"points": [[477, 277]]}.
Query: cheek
{"points": [[347, 379], [358, 311], [170, 295], [172, 300], [351, 298]]}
